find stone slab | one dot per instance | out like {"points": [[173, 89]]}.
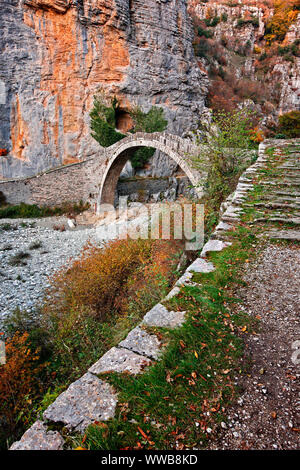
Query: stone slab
{"points": [[120, 360], [214, 245], [142, 343], [38, 438], [293, 235], [172, 293], [200, 265], [87, 400], [161, 317], [185, 279]]}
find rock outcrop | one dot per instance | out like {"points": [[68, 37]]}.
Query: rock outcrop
{"points": [[56, 54]]}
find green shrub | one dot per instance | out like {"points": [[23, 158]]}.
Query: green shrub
{"points": [[204, 32], [289, 124], [202, 48], [103, 125], [212, 22], [223, 153]]}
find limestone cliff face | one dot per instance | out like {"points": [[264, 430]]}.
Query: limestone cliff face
{"points": [[56, 54]]}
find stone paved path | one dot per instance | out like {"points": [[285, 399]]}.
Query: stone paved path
{"points": [[267, 414]]}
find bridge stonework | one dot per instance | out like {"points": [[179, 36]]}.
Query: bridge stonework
{"points": [[94, 180]]}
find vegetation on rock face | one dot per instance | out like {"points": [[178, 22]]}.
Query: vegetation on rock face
{"points": [[286, 12], [103, 125], [103, 121], [223, 53]]}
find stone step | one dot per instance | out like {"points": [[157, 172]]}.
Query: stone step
{"points": [[292, 235]]}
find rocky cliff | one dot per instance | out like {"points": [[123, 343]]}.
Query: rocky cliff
{"points": [[56, 54]]}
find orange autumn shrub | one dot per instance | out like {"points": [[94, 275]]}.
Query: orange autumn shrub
{"points": [[19, 383], [257, 135], [152, 278], [94, 281]]}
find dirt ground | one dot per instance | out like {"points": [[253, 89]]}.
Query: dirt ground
{"points": [[267, 414]]}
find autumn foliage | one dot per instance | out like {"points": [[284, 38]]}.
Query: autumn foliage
{"points": [[286, 12], [94, 281]]}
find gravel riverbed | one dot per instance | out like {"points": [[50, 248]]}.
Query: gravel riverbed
{"points": [[32, 250], [46, 250]]}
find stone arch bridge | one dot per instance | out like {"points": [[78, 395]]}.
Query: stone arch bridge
{"points": [[94, 180]]}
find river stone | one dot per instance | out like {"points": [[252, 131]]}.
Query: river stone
{"points": [[161, 317], [87, 400], [142, 342], [120, 360], [200, 265], [38, 438]]}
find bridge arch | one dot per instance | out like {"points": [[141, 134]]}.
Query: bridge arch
{"points": [[119, 153]]}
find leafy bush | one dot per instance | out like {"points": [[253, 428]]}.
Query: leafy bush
{"points": [[202, 48], [212, 22], [289, 124], [204, 32], [225, 141], [241, 22], [153, 121]]}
